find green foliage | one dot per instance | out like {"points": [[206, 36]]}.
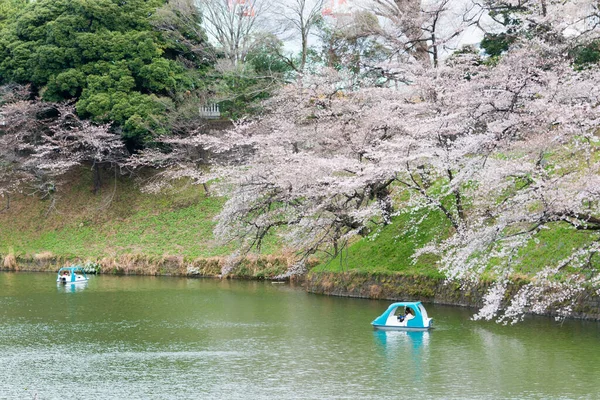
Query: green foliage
{"points": [[106, 54], [242, 91], [587, 56], [496, 44], [352, 48], [508, 16], [8, 8], [179, 23], [244, 86], [265, 57]]}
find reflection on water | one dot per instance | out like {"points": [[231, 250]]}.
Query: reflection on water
{"points": [[71, 287], [171, 338], [393, 340], [407, 349]]}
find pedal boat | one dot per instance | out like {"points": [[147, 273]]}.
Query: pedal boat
{"points": [[71, 275], [391, 320]]}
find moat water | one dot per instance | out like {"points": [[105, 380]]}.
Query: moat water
{"points": [[175, 338]]}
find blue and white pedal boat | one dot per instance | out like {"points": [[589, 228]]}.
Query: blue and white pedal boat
{"points": [[406, 316], [72, 274]]}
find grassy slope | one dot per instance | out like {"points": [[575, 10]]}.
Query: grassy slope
{"points": [[119, 220], [391, 249]]}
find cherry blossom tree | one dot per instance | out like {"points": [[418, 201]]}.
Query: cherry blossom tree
{"points": [[533, 119], [424, 31], [502, 151], [11, 178], [41, 141], [502, 148]]}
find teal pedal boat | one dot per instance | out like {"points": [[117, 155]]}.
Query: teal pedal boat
{"points": [[72, 274], [407, 316]]}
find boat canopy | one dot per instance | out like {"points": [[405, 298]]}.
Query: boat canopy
{"points": [[72, 269], [71, 274]]}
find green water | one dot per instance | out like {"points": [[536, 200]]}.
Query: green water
{"points": [[172, 338]]}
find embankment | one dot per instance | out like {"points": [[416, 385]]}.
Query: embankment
{"points": [[424, 288], [251, 267]]}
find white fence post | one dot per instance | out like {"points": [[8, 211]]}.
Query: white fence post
{"points": [[210, 111]]}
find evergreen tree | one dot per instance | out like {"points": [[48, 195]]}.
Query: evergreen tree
{"points": [[110, 56]]}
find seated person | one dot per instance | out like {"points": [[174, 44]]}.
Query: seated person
{"points": [[408, 314]]}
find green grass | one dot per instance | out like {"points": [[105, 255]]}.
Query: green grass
{"points": [[551, 246], [119, 220], [390, 250]]}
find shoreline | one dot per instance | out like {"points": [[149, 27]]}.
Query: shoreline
{"points": [[381, 286]]}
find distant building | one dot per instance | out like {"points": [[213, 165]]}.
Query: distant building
{"points": [[244, 7], [336, 9]]}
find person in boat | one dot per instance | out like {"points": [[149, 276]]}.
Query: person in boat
{"points": [[407, 315]]}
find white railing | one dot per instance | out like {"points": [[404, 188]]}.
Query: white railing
{"points": [[210, 111]]}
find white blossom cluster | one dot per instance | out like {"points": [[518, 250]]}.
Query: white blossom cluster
{"points": [[502, 151], [39, 142]]}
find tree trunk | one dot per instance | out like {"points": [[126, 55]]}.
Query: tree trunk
{"points": [[7, 207], [304, 51], [97, 179], [458, 199]]}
